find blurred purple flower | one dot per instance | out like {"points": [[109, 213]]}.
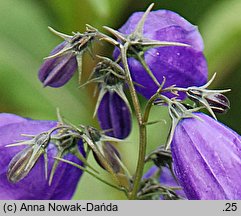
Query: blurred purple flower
{"points": [[166, 179], [114, 115], [182, 66], [207, 159], [34, 185], [57, 71]]}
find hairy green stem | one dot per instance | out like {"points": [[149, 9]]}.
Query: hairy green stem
{"points": [[142, 127], [134, 97], [150, 102]]}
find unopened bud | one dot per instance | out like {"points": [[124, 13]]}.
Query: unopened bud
{"points": [[111, 156], [24, 161], [21, 165], [212, 98], [219, 102]]}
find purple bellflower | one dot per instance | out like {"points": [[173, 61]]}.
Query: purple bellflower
{"points": [[34, 185], [207, 159], [181, 66]]}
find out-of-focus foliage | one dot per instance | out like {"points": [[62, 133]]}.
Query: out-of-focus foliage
{"points": [[25, 40], [221, 28]]}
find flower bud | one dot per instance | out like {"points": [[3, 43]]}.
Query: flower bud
{"points": [[57, 71], [181, 66], [112, 107], [114, 115], [103, 151], [218, 102], [111, 156], [64, 59], [23, 162], [34, 185], [207, 159], [17, 167], [213, 100]]}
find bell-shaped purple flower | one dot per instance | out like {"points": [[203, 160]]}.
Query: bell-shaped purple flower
{"points": [[181, 66], [165, 179], [34, 185], [114, 115], [56, 71], [207, 159]]}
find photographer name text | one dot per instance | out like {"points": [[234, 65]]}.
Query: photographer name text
{"points": [[57, 207]]}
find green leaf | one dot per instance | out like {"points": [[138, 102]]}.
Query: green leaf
{"points": [[221, 31]]}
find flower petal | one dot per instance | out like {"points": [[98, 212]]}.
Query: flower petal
{"points": [[207, 159], [6, 118], [164, 20], [182, 66]]}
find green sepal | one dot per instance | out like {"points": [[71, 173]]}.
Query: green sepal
{"points": [[79, 59], [117, 34], [138, 32], [100, 97], [54, 167], [66, 37], [177, 112], [65, 50]]}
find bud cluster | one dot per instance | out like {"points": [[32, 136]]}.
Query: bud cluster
{"points": [[61, 136]]}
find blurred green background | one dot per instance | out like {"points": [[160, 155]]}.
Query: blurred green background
{"points": [[25, 40]]}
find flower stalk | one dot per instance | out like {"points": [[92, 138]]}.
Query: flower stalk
{"points": [[141, 125]]}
